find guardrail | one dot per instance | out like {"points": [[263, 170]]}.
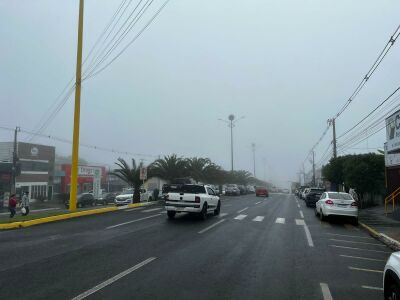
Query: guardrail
{"points": [[392, 198]]}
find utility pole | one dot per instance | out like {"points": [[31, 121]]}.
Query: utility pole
{"points": [[253, 146], [14, 161], [313, 167], [77, 113], [333, 123], [231, 118], [265, 167]]}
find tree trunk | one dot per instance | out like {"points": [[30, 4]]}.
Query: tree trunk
{"points": [[136, 194]]}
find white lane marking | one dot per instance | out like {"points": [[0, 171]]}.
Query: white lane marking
{"points": [[122, 207], [242, 210], [352, 248], [258, 219], [301, 214], [352, 236], [280, 220], [359, 257], [372, 287], [306, 230], [240, 217], [258, 202], [133, 221], [222, 215], [298, 205], [365, 270], [353, 242], [152, 209], [211, 226], [113, 279], [326, 293]]}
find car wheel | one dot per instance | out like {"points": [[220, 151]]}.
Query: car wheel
{"points": [[321, 216], [171, 214], [393, 292], [218, 209], [316, 212], [203, 213]]}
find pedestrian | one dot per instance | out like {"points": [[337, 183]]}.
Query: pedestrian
{"points": [[12, 204], [25, 203]]}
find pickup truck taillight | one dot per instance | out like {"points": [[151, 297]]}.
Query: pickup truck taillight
{"points": [[197, 199]]}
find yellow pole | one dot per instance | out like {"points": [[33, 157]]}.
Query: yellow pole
{"points": [[77, 112]]}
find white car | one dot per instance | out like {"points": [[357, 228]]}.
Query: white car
{"points": [[193, 198], [391, 277], [336, 204], [127, 197]]}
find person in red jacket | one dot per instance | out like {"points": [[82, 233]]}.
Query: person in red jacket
{"points": [[12, 204]]}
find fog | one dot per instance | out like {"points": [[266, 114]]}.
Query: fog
{"points": [[286, 66]]}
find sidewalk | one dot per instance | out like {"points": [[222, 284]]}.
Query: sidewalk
{"points": [[376, 219]]}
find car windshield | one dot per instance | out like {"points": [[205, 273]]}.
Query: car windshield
{"points": [[341, 196]]}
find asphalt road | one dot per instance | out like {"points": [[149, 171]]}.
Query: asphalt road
{"points": [[258, 248]]}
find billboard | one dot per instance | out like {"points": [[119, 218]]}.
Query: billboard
{"points": [[143, 173], [393, 133], [391, 160]]}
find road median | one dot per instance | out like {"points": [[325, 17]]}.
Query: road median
{"points": [[68, 215]]}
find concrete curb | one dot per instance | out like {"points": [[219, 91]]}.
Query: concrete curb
{"points": [[23, 224], [388, 241]]}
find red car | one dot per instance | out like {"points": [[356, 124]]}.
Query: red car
{"points": [[262, 191]]}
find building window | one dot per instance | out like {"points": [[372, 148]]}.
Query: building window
{"points": [[37, 166]]}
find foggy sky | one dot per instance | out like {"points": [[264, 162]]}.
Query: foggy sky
{"points": [[287, 66]]}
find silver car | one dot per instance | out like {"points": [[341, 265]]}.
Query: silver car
{"points": [[336, 204]]}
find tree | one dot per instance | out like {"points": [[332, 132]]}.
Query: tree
{"points": [[169, 167], [197, 167], [131, 175], [240, 177]]}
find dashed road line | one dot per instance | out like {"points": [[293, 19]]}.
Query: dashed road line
{"points": [[352, 248], [372, 288], [135, 208], [240, 217], [152, 209], [326, 293], [298, 205], [211, 226], [307, 231], [258, 219], [363, 258], [365, 270], [242, 210], [352, 236], [113, 279], [133, 221], [301, 214], [258, 202], [280, 220], [354, 242]]}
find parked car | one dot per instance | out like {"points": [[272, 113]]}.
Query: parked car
{"points": [[262, 191], [304, 193], [124, 198], [250, 189], [146, 195], [232, 190], [313, 196], [242, 189], [391, 277], [82, 200], [106, 198], [193, 198], [336, 204]]}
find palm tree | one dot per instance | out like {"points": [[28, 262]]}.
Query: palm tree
{"points": [[169, 167], [196, 168], [130, 175], [240, 177]]}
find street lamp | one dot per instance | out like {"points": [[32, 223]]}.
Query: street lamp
{"points": [[231, 123]]}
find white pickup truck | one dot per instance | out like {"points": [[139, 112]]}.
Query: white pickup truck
{"points": [[192, 198]]}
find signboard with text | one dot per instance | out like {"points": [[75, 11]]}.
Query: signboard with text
{"points": [[393, 132], [143, 173], [97, 183], [391, 160]]}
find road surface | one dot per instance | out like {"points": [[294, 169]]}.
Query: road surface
{"points": [[258, 248]]}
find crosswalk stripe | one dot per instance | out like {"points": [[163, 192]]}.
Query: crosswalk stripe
{"points": [[240, 217], [153, 209], [258, 219], [280, 220]]}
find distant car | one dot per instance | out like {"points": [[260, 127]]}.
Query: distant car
{"points": [[304, 193], [313, 196], [124, 198], [261, 192], [232, 190], [82, 200], [391, 277], [250, 189], [336, 204], [242, 189], [106, 198]]}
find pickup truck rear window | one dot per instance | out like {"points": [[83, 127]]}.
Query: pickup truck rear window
{"points": [[193, 189]]}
